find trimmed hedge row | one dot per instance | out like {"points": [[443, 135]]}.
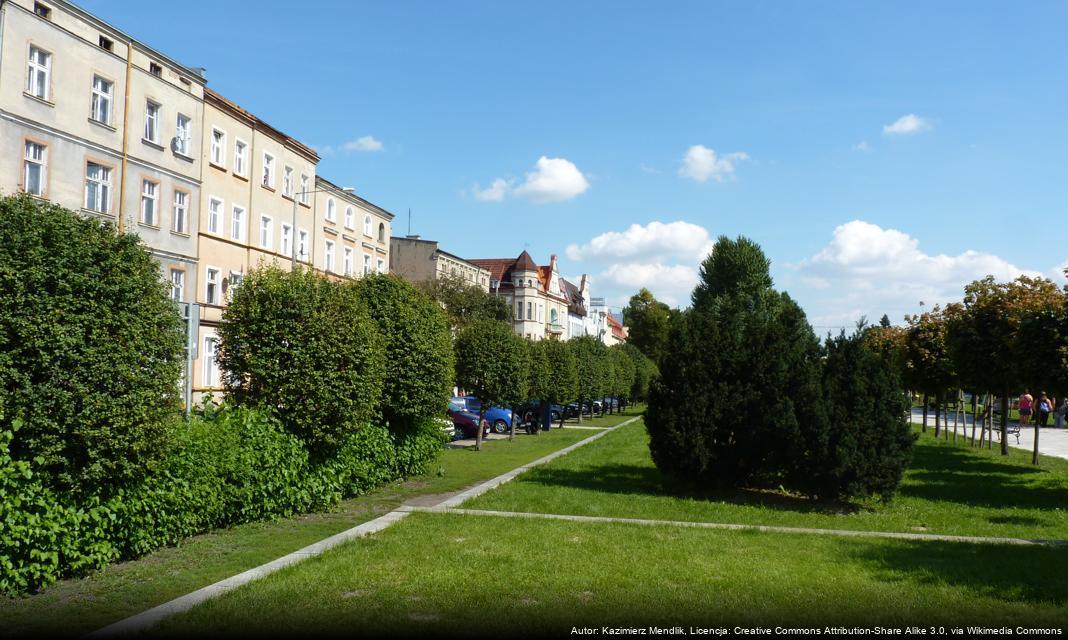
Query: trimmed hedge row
{"points": [[230, 466]]}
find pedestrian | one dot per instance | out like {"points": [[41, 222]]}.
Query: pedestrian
{"points": [[1026, 401], [1042, 410], [1059, 412]]}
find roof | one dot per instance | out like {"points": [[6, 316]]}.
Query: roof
{"points": [[223, 102], [575, 303], [525, 263], [498, 267], [617, 327]]}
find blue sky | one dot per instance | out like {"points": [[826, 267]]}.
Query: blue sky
{"points": [[882, 154]]}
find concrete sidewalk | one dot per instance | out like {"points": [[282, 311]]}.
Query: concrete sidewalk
{"points": [[1051, 441]]}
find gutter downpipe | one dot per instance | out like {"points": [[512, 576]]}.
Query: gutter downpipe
{"points": [[125, 138]]}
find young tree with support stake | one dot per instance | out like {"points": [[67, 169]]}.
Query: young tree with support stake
{"points": [[490, 362]]}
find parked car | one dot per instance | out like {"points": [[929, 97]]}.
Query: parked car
{"points": [[464, 422], [530, 412], [572, 410], [498, 418]]}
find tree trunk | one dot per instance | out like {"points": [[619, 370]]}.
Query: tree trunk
{"points": [[511, 427], [1005, 425], [938, 408], [562, 409], [478, 427], [579, 402], [924, 424], [1034, 456], [975, 416]]}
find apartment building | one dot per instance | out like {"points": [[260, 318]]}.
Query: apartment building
{"points": [[98, 122], [257, 200], [420, 260], [351, 234], [535, 293]]}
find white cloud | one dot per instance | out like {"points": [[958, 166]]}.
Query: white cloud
{"points": [[670, 283], [493, 193], [552, 180], [862, 146], [869, 270], [679, 239], [907, 125], [647, 169], [363, 143], [702, 163]]}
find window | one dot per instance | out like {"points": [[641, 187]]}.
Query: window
{"points": [[552, 316], [331, 210], [42, 10], [366, 264], [97, 187], [265, 232], [211, 368], [155, 69], [38, 76], [186, 84], [530, 311], [287, 240], [268, 170], [218, 147], [35, 167], [287, 182], [181, 211], [302, 245], [237, 223], [182, 134], [100, 109], [347, 262], [367, 225], [149, 195], [381, 265], [215, 207], [304, 189], [350, 218], [152, 121], [177, 285], [381, 232], [519, 311], [240, 157], [105, 43], [328, 257], [211, 291], [234, 282]]}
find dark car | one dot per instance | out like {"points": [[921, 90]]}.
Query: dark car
{"points": [[464, 421], [529, 412]]}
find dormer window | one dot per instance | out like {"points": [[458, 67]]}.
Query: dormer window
{"points": [[155, 69], [42, 10], [106, 44]]}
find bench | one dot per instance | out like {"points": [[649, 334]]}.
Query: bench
{"points": [[1012, 429]]}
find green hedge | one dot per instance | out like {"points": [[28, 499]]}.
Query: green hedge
{"points": [[229, 466]]}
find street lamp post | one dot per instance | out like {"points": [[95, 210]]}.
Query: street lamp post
{"points": [[293, 230]]}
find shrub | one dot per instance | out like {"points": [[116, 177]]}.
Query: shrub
{"points": [[490, 362], [90, 347], [590, 355], [304, 347], [419, 447], [419, 362], [869, 440]]}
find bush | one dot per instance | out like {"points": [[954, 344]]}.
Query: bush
{"points": [[419, 363], [590, 356], [304, 347], [90, 348], [419, 447]]}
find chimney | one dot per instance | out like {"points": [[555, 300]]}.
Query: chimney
{"points": [[552, 263]]}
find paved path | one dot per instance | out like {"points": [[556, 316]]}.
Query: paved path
{"points": [[1051, 441], [145, 620]]}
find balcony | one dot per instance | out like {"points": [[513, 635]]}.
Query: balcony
{"points": [[554, 328]]}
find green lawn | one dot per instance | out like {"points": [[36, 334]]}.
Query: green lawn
{"points": [[948, 489], [448, 573], [74, 607]]}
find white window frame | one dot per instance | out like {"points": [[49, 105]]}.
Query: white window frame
{"points": [[346, 262], [331, 210], [211, 365], [149, 196], [180, 212], [287, 181], [233, 283], [266, 232], [302, 245], [237, 223], [209, 298], [305, 188], [35, 154], [328, 256], [350, 218], [380, 265], [268, 170], [152, 121], [102, 202], [177, 285], [218, 147], [367, 225], [366, 264], [215, 214], [39, 73], [286, 247], [240, 157], [183, 133], [519, 310], [100, 104]]}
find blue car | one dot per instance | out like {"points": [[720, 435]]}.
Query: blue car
{"points": [[498, 418]]}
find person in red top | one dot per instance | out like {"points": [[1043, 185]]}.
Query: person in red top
{"points": [[1026, 400]]}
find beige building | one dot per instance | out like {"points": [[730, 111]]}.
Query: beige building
{"points": [[419, 260], [351, 234], [539, 302], [99, 123]]}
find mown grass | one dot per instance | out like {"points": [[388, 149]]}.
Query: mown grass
{"points": [[436, 574], [948, 489], [74, 607]]}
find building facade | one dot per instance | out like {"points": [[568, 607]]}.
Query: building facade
{"points": [[419, 260], [351, 234], [100, 123], [537, 297]]}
